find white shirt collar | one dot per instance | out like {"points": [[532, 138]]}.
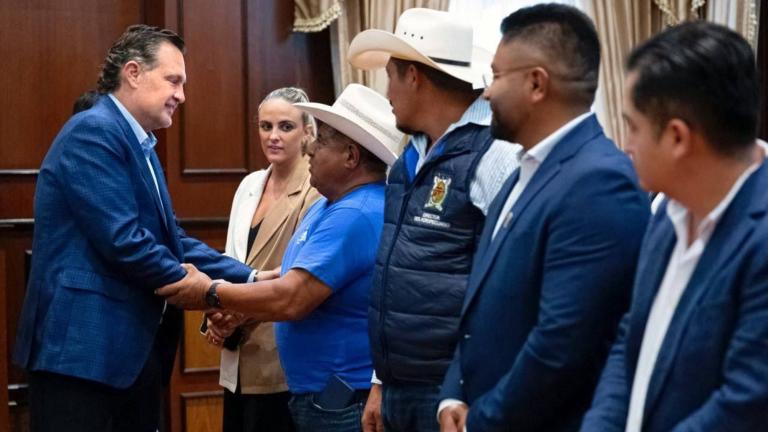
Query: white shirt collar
{"points": [[141, 134], [543, 148], [678, 214]]}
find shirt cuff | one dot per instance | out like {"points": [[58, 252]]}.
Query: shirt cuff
{"points": [[445, 403], [252, 277], [375, 380]]}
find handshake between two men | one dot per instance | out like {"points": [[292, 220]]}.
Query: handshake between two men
{"points": [[196, 291], [271, 298]]}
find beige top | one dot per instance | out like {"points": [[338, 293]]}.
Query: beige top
{"points": [[257, 358]]}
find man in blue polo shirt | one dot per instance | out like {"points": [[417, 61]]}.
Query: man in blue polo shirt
{"points": [[336, 243], [323, 289]]}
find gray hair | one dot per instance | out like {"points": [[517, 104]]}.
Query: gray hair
{"points": [[293, 95]]}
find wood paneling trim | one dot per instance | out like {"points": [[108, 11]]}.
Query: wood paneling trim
{"points": [[203, 411], [192, 221], [16, 223], [214, 171], [19, 172], [4, 415], [248, 144], [197, 356]]}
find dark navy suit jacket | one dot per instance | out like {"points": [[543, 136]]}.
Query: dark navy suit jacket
{"points": [[712, 369], [545, 296], [103, 242]]}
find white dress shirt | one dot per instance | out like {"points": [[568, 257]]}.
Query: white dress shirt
{"points": [[529, 163], [680, 268]]}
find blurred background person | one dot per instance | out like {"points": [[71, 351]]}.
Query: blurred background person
{"points": [[266, 210], [85, 101]]}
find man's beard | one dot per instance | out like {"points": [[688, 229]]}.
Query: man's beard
{"points": [[499, 131]]}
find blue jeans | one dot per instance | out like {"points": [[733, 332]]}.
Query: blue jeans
{"points": [[407, 408], [310, 417]]}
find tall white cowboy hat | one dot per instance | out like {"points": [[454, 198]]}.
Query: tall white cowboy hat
{"points": [[364, 116], [438, 39]]}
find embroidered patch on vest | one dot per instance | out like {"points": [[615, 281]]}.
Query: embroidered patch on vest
{"points": [[438, 194]]}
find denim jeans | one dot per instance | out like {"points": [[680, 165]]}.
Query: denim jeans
{"points": [[406, 408], [308, 416]]}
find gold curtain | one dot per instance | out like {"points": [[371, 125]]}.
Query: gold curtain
{"points": [[314, 15], [621, 25], [624, 24], [677, 11], [743, 16], [359, 15]]}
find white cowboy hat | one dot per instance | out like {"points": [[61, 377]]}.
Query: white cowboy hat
{"points": [[437, 39], [364, 116]]}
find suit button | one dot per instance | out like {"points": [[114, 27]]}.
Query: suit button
{"points": [[467, 336], [461, 382]]}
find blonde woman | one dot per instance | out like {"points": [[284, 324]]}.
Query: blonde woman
{"points": [[267, 208]]}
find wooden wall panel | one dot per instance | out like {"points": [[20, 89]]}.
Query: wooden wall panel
{"points": [[40, 79], [214, 125], [198, 354], [203, 411], [3, 342], [278, 57], [42, 39], [15, 243]]}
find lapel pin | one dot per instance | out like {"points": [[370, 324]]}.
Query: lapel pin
{"points": [[507, 220]]}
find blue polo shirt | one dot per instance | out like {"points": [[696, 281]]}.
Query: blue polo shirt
{"points": [[336, 243]]}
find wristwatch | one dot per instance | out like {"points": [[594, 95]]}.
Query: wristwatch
{"points": [[211, 298]]}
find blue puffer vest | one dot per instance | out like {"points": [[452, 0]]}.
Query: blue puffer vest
{"points": [[430, 234]]}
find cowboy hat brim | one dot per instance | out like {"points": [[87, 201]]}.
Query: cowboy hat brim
{"points": [[372, 49], [357, 133]]}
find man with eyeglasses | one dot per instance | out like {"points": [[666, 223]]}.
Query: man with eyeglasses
{"points": [[556, 258]]}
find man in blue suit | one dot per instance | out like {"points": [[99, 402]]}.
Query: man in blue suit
{"points": [[556, 259], [95, 339], [692, 352]]}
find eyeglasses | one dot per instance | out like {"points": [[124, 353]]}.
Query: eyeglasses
{"points": [[488, 78]]}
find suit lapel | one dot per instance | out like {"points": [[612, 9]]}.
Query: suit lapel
{"points": [[494, 212], [167, 207], [245, 211], [135, 148], [161, 192], [480, 262], [733, 229], [280, 211], [569, 145], [650, 271]]}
